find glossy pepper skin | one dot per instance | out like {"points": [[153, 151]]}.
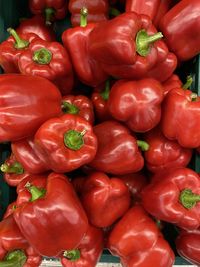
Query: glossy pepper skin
{"points": [[80, 105], [76, 41], [136, 103], [88, 253], [11, 49], [172, 82], [163, 7], [100, 195], [61, 208], [26, 102], [37, 25], [187, 245], [49, 60], [174, 197], [53, 10], [97, 10], [181, 117], [164, 154], [13, 242], [67, 142], [180, 27], [136, 239], [117, 143]]}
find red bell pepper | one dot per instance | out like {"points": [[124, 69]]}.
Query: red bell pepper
{"points": [[36, 24], [54, 213], [53, 10], [76, 41], [187, 245], [145, 7], [116, 145], [88, 253], [10, 209], [80, 105], [97, 10], [181, 117], [67, 142], [174, 197], [180, 26], [136, 239], [26, 102], [14, 249], [11, 49], [49, 60], [136, 103], [164, 154], [172, 82], [163, 7], [104, 195]]}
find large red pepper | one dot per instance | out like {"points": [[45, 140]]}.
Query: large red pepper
{"points": [[97, 10], [116, 145], [26, 102], [14, 248], [136, 239], [164, 154], [53, 220], [104, 195], [136, 103], [80, 105], [180, 26], [53, 10], [11, 49], [49, 60], [36, 24], [76, 41], [187, 245], [88, 253], [174, 197], [67, 142]]}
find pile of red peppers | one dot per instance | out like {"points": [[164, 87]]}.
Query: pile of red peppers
{"points": [[107, 166]]}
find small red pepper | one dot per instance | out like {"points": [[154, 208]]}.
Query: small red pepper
{"points": [[97, 10], [49, 60], [10, 209], [57, 204], [80, 105], [88, 253], [67, 142], [116, 145], [104, 195], [174, 197], [136, 103]]}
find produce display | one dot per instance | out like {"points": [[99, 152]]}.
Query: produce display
{"points": [[101, 122]]}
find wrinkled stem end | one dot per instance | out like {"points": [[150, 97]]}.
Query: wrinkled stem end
{"points": [[74, 139], [42, 56], [84, 13], [72, 255], [16, 258], [188, 83], [69, 108], [188, 199], [19, 43], [15, 168], [36, 192], [144, 146]]}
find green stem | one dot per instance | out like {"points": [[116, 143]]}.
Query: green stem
{"points": [[42, 56], [15, 168], [193, 97], [36, 192], [84, 13], [69, 108], [72, 255], [188, 82], [188, 199], [74, 139], [106, 92], [143, 41], [114, 12], [19, 43], [49, 14], [16, 258], [144, 146]]}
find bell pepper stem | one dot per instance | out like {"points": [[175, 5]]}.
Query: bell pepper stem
{"points": [[19, 43], [188, 199], [143, 41], [144, 146], [49, 14], [114, 12], [42, 56], [36, 192], [72, 255], [74, 139], [15, 168], [193, 97], [106, 92], [84, 13], [16, 258], [188, 82], [69, 108]]}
